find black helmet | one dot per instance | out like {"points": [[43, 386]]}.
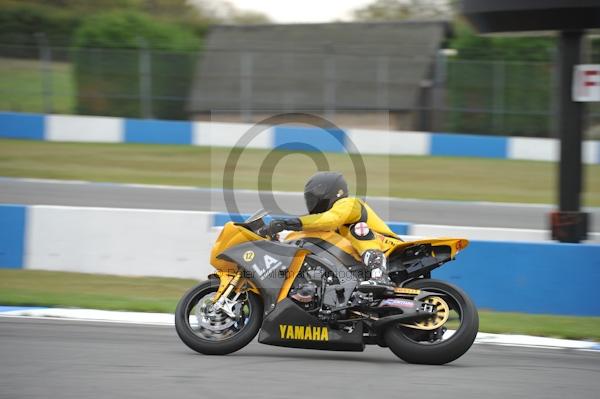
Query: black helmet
{"points": [[323, 189]]}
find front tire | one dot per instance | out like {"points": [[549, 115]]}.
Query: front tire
{"points": [[202, 336], [411, 345]]}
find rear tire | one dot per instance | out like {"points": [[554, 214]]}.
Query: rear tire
{"points": [[436, 353], [222, 346]]}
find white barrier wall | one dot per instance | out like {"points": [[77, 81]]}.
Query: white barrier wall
{"points": [[98, 129], [137, 242], [479, 233], [590, 152], [538, 149], [393, 143], [487, 233], [218, 134], [129, 242]]}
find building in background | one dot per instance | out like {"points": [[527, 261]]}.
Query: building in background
{"points": [[354, 74]]}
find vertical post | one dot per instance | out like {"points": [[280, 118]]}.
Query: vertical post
{"points": [[45, 54], [569, 224], [382, 76], [553, 99], [498, 96], [246, 67], [440, 76], [145, 84], [329, 80], [288, 71]]}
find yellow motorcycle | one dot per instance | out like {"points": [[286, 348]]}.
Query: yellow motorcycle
{"points": [[305, 292]]}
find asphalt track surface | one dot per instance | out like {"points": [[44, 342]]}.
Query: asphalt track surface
{"points": [[476, 214], [70, 359]]}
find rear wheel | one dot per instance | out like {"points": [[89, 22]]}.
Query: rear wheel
{"points": [[214, 332], [446, 336]]}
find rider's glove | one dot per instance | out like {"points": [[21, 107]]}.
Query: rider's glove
{"points": [[278, 225]]}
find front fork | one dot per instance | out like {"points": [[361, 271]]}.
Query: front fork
{"points": [[228, 283]]}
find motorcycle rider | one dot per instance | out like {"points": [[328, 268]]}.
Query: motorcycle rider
{"points": [[331, 209]]}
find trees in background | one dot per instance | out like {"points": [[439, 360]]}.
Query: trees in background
{"points": [[113, 80], [396, 10], [130, 57], [21, 20], [225, 12], [499, 84]]}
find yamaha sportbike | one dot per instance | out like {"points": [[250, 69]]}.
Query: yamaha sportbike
{"points": [[305, 292]]}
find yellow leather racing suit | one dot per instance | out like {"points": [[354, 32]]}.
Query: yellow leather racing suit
{"points": [[347, 216]]}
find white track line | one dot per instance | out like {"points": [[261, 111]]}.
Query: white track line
{"points": [[166, 319]]}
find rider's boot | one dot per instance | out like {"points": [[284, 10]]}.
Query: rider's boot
{"points": [[379, 282]]}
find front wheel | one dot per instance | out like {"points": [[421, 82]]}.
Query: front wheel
{"points": [[212, 332], [445, 337]]}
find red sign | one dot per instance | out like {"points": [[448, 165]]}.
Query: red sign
{"points": [[586, 83]]}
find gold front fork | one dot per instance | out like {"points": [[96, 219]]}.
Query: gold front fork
{"points": [[227, 283]]}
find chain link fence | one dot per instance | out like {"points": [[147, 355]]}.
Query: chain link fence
{"points": [[465, 96], [113, 82]]}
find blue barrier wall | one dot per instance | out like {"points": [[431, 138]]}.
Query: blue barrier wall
{"points": [[399, 228], [309, 139], [219, 219], [528, 277], [157, 132], [462, 145], [22, 126], [12, 236]]}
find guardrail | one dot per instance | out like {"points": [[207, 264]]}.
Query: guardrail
{"points": [[536, 277], [217, 134]]}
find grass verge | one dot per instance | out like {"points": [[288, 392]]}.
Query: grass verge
{"points": [[151, 294], [22, 86], [94, 291], [469, 179]]}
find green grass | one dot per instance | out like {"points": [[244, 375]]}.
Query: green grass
{"points": [[473, 179], [64, 289], [151, 294], [21, 86], [571, 327]]}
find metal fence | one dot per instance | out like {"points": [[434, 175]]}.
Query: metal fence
{"points": [[485, 97], [113, 82], [500, 97]]}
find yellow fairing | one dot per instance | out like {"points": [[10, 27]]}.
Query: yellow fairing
{"points": [[389, 244], [292, 273], [230, 236], [456, 244], [233, 235], [329, 236]]}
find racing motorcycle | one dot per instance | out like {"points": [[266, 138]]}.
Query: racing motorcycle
{"points": [[305, 292]]}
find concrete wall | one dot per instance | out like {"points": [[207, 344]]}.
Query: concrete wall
{"points": [[219, 134], [118, 241], [538, 277]]}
